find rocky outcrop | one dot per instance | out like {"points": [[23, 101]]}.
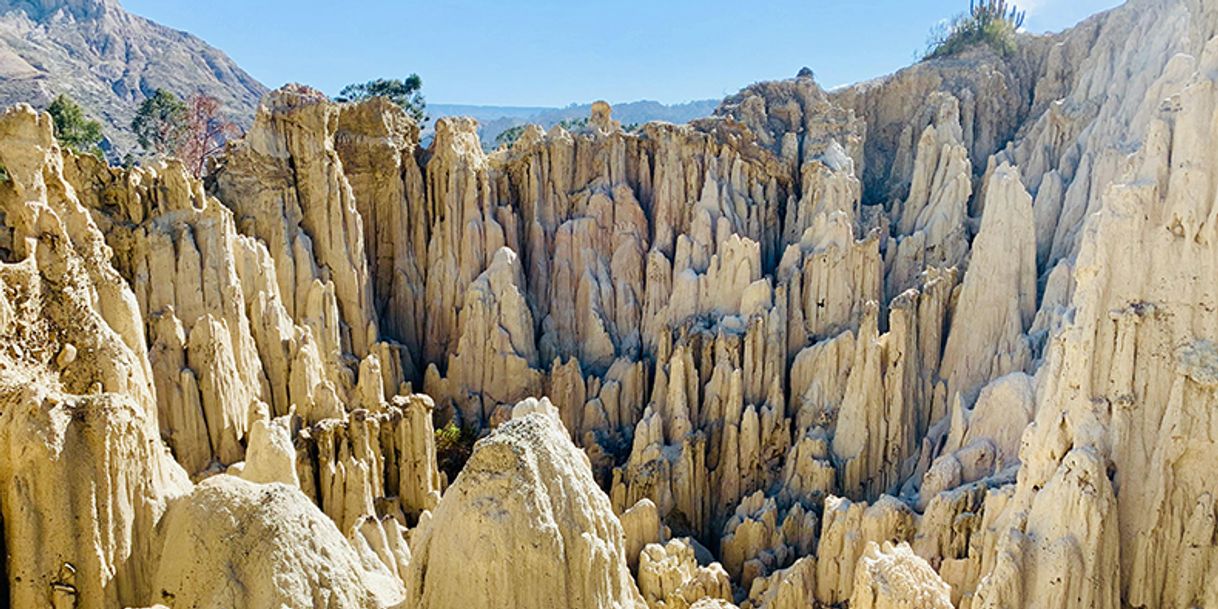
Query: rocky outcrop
{"points": [[997, 300], [83, 475], [893, 576], [670, 577], [834, 349], [237, 544], [556, 542], [162, 306]]}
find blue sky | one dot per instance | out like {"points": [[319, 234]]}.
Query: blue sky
{"points": [[554, 52]]}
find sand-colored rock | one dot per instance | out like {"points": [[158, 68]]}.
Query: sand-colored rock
{"points": [[997, 300], [669, 577], [729, 360], [641, 525], [558, 543], [788, 588], [232, 543], [893, 576]]}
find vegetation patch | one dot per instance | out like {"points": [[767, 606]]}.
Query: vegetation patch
{"points": [[454, 445], [507, 137], [407, 94], [73, 129], [994, 23], [193, 130]]}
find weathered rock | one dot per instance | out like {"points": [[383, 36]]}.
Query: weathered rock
{"points": [[768, 332], [232, 543], [894, 577], [669, 577], [557, 542], [997, 299]]}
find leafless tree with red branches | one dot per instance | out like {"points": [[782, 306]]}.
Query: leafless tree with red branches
{"points": [[206, 133]]}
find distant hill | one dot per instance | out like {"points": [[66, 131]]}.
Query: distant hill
{"points": [[494, 120], [110, 60]]}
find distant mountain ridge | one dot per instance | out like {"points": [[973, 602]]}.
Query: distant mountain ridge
{"points": [[110, 60], [494, 120]]}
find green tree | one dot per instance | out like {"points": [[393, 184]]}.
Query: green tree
{"points": [[161, 123], [509, 136], [73, 129], [405, 93], [990, 22], [574, 125]]}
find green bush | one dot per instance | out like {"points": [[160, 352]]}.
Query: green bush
{"points": [[73, 129], [454, 445], [574, 125], [509, 136], [990, 22], [3, 174]]}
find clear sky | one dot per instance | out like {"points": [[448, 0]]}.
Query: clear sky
{"points": [[555, 52]]}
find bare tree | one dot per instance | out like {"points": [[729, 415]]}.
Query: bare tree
{"points": [[206, 133]]}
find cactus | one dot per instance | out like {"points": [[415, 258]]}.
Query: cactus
{"points": [[990, 22]]}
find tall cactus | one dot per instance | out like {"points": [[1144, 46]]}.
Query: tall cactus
{"points": [[990, 11], [993, 22]]}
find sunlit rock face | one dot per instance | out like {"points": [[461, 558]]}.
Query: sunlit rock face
{"points": [[947, 338]]}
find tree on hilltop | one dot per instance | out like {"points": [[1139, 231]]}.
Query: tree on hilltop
{"points": [[407, 94]]}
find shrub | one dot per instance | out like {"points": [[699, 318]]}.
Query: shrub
{"points": [[454, 445], [989, 22], [73, 129], [574, 125], [509, 136]]}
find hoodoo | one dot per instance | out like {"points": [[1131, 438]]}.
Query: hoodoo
{"points": [[948, 338]]}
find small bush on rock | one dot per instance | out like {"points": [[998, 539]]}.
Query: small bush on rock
{"points": [[990, 22]]}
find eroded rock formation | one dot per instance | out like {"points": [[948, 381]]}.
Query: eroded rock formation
{"points": [[822, 349]]}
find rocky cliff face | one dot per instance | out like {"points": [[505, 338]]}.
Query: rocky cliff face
{"points": [[822, 349], [110, 61]]}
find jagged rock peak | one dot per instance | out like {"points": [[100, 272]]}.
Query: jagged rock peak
{"points": [[555, 541]]}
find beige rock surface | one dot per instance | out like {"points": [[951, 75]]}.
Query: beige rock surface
{"points": [[532, 525], [720, 362], [669, 577], [233, 543], [893, 576]]}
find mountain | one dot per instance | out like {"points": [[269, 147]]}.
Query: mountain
{"points": [[493, 120], [110, 60]]}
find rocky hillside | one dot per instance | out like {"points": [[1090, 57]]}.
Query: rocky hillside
{"points": [[818, 350], [110, 60]]}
